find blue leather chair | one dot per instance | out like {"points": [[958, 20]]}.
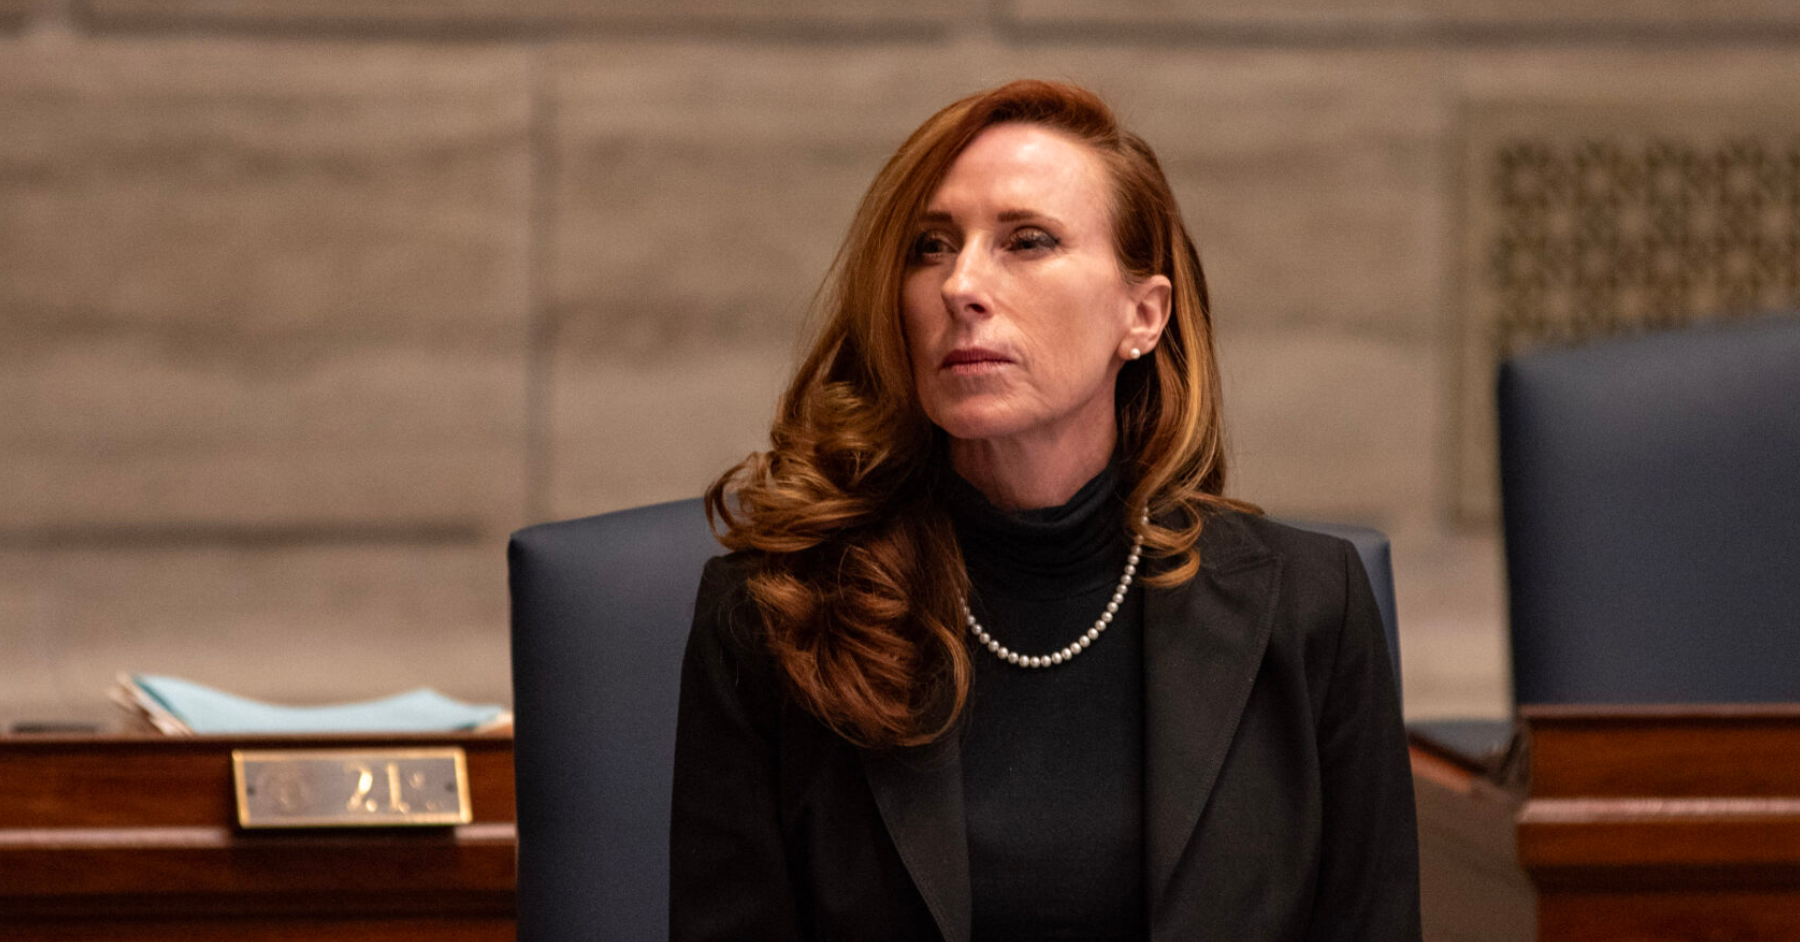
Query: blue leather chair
{"points": [[1651, 494], [601, 609]]}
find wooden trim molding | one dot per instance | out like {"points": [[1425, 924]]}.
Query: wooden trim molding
{"points": [[136, 838]]}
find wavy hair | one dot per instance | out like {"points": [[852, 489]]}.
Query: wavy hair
{"points": [[857, 573]]}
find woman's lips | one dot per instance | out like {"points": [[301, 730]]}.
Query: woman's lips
{"points": [[973, 360]]}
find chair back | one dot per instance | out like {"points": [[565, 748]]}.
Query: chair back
{"points": [[1651, 493], [601, 609]]}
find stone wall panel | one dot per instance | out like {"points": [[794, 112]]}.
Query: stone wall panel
{"points": [[1620, 75], [1332, 426], [701, 193], [1744, 17], [253, 284], [298, 624], [264, 189], [1450, 592], [659, 429], [1303, 15], [703, 190], [14, 13], [129, 435], [513, 14], [1312, 182], [265, 317], [1378, 19]]}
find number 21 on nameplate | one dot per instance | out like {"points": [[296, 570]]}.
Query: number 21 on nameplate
{"points": [[288, 788]]}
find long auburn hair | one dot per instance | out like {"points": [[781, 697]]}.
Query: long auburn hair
{"points": [[857, 572]]}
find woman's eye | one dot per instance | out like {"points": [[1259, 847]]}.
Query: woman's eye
{"points": [[931, 245], [1033, 239]]}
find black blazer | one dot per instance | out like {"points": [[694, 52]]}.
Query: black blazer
{"points": [[1279, 801]]}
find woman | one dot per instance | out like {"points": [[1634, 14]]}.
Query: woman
{"points": [[929, 695]]}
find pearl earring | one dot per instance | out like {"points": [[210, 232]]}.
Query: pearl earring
{"points": [[1135, 353]]}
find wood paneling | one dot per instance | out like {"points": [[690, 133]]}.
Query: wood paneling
{"points": [[133, 838], [1670, 917], [86, 782], [1658, 824], [1700, 752], [1470, 885], [230, 929]]}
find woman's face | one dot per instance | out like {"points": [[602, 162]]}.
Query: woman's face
{"points": [[1017, 315]]}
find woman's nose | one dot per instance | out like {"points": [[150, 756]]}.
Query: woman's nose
{"points": [[967, 286]]}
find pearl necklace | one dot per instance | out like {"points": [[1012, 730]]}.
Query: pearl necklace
{"points": [[1075, 647]]}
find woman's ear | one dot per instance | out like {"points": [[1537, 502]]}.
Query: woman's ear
{"points": [[1150, 301]]}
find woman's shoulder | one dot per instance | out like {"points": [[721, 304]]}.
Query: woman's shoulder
{"points": [[727, 648], [728, 572], [723, 605], [1319, 572], [1234, 536], [1325, 607]]}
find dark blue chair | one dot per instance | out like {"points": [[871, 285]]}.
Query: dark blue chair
{"points": [[1651, 494], [601, 609]]}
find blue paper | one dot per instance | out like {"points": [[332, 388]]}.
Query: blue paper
{"points": [[209, 711]]}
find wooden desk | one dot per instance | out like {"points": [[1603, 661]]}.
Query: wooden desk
{"points": [[1664, 823], [1635, 824], [1470, 884], [1649, 824], [135, 837]]}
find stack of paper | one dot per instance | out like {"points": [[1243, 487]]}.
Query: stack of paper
{"points": [[183, 708]]}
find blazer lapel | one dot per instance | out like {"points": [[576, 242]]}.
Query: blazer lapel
{"points": [[920, 794], [1203, 645]]}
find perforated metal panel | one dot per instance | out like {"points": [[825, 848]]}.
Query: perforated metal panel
{"points": [[1594, 220]]}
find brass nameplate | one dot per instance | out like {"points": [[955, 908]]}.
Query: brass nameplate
{"points": [[303, 788]]}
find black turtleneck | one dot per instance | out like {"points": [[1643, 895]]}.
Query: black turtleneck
{"points": [[1053, 758]]}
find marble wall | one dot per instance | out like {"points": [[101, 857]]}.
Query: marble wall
{"points": [[305, 305]]}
